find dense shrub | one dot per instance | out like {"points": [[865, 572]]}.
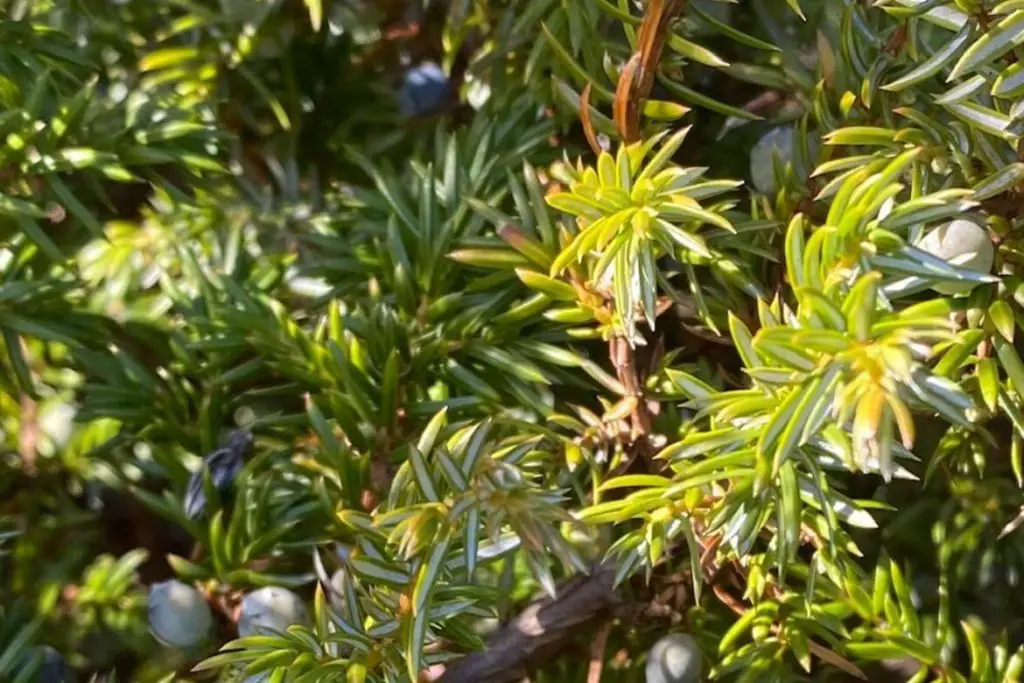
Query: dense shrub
{"points": [[586, 340]]}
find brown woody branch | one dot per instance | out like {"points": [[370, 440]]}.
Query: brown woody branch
{"points": [[623, 358], [540, 632], [548, 626], [597, 653]]}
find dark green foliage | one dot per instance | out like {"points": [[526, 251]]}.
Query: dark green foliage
{"points": [[281, 307]]}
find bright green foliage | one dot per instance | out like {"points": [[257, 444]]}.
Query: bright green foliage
{"points": [[486, 348]]}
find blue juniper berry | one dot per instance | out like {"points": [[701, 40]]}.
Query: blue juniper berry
{"points": [[423, 91], [224, 464], [54, 669]]}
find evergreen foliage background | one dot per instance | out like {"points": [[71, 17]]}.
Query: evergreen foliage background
{"points": [[460, 338]]}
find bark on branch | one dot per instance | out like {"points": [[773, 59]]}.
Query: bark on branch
{"points": [[539, 633], [637, 75]]}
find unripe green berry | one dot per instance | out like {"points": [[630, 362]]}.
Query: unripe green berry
{"points": [[957, 238], [270, 609], [590, 542], [676, 658], [179, 615]]}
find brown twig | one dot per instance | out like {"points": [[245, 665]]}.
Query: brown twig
{"points": [[712, 569], [823, 653], [28, 433], [626, 107], [588, 124], [767, 100], [28, 430], [597, 653], [637, 77], [623, 358], [897, 40], [539, 632]]}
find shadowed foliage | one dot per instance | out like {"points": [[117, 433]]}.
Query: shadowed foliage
{"points": [[496, 340]]}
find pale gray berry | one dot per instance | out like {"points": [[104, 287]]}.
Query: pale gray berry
{"points": [[179, 615], [339, 579], [778, 141], [57, 421], [676, 658], [959, 238], [270, 609], [781, 142]]}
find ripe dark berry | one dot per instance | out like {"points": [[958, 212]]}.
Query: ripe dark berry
{"points": [[54, 668], [423, 90], [224, 464]]}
